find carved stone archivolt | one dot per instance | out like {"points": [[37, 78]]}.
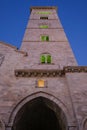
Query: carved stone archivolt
{"points": [[84, 125], [49, 73]]}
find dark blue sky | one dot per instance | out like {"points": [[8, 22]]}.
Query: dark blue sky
{"points": [[14, 16]]}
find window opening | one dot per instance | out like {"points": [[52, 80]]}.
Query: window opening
{"points": [[45, 58], [44, 38], [48, 59], [41, 83], [43, 26], [42, 59], [44, 12], [44, 17]]}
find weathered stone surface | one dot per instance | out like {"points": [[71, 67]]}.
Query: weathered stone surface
{"points": [[66, 95]]}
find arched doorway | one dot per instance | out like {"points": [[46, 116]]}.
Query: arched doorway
{"points": [[40, 114]]}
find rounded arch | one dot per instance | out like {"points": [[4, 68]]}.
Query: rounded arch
{"points": [[45, 57], [53, 103]]}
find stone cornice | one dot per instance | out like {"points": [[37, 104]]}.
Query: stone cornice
{"points": [[22, 52], [38, 73], [6, 44], [49, 73], [73, 69], [43, 7]]}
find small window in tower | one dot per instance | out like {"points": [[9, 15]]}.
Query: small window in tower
{"points": [[45, 59], [44, 12], [49, 59], [43, 17], [43, 26], [44, 38], [42, 59]]}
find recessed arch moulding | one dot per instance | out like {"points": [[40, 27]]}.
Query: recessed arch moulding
{"points": [[84, 124], [50, 102]]}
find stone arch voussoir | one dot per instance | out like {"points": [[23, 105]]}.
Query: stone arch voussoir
{"points": [[84, 124], [48, 96]]}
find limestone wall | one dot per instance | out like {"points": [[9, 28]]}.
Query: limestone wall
{"points": [[78, 88]]}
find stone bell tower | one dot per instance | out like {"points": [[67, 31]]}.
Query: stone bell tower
{"points": [[41, 85], [45, 34]]}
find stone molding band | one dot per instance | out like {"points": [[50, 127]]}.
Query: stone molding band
{"points": [[38, 73], [74, 69], [43, 7], [49, 73]]}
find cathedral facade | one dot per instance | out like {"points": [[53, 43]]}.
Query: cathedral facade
{"points": [[41, 85]]}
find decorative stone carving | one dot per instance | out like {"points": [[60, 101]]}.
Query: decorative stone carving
{"points": [[38, 73], [2, 126], [1, 59], [75, 69], [50, 73], [85, 125], [73, 128]]}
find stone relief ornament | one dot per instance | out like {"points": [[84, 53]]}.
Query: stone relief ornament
{"points": [[85, 125], [2, 125], [1, 59]]}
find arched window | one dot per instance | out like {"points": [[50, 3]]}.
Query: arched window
{"points": [[45, 58], [42, 59], [48, 58], [44, 38]]}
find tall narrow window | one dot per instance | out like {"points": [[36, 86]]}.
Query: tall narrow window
{"points": [[48, 58], [45, 58], [42, 59], [44, 38]]}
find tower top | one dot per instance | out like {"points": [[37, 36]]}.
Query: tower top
{"points": [[43, 7]]}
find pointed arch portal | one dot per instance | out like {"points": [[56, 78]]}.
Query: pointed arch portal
{"points": [[39, 113]]}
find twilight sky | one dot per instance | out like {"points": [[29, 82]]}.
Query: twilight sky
{"points": [[14, 16]]}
